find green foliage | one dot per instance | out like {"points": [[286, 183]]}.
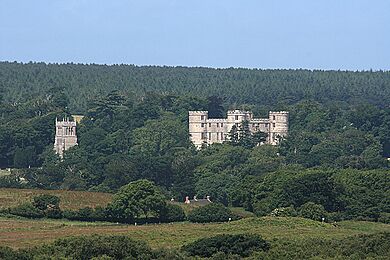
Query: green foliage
{"points": [[87, 214], [27, 210], [242, 245], [213, 212], [87, 247], [284, 212], [137, 199], [313, 211], [135, 127], [45, 201], [172, 213]]}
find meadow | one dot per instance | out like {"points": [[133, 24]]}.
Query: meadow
{"points": [[22, 233], [18, 232], [69, 199]]}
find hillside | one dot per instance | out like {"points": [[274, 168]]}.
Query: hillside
{"points": [[69, 199], [19, 233], [82, 83]]}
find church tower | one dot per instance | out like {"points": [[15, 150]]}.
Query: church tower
{"points": [[65, 136]]}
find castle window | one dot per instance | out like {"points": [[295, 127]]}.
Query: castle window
{"points": [[236, 117], [209, 136], [209, 124], [204, 136], [201, 117], [274, 117], [273, 124], [221, 124], [217, 124], [202, 124]]}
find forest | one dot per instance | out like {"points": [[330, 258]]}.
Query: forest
{"points": [[135, 127]]}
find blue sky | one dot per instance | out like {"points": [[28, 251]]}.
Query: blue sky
{"points": [[313, 34]]}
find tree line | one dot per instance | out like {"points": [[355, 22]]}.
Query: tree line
{"points": [[83, 83], [335, 154]]}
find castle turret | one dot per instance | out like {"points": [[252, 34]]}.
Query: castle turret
{"points": [[65, 136], [278, 126], [197, 121]]}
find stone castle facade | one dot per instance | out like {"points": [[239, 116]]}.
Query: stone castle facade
{"points": [[65, 137], [205, 131]]}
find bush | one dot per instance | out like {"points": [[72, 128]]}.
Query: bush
{"points": [[384, 218], [172, 213], [313, 211], [243, 245], [27, 210], [214, 212], [101, 247], [86, 214], [53, 213], [284, 212], [46, 201]]}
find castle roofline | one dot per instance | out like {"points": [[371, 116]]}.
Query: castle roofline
{"points": [[279, 112], [217, 120], [259, 120], [238, 111], [197, 112]]}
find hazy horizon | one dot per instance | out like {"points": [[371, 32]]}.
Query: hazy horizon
{"points": [[321, 35]]}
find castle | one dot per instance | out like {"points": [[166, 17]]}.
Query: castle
{"points": [[205, 131], [65, 136]]}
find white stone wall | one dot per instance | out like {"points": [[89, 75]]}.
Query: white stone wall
{"points": [[205, 131]]}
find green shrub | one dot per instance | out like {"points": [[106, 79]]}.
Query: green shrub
{"points": [[243, 245], [87, 214], [53, 213], [284, 212], [46, 201], [172, 213], [103, 247], [7, 253], [27, 210], [313, 211], [214, 212], [384, 218]]}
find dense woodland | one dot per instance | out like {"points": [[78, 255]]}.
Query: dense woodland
{"points": [[135, 127]]}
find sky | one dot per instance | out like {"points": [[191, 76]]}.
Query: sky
{"points": [[310, 34]]}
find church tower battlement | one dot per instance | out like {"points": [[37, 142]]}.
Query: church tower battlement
{"points": [[65, 136]]}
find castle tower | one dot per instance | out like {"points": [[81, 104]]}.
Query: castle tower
{"points": [[65, 136], [278, 126], [197, 121], [236, 117]]}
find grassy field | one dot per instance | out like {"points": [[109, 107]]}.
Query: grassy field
{"points": [[69, 199], [20, 233]]}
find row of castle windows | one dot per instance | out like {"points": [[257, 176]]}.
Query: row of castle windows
{"points": [[237, 125], [219, 135], [235, 117], [203, 124]]}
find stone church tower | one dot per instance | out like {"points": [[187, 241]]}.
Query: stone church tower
{"points": [[65, 136]]}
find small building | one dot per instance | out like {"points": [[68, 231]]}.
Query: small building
{"points": [[205, 131], [65, 137]]}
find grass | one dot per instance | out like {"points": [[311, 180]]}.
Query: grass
{"points": [[21, 233], [69, 199]]}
